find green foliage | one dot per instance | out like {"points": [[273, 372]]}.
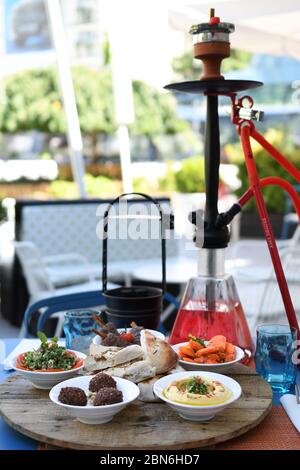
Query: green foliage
{"points": [[45, 156], [106, 52], [168, 182], [190, 178], [238, 60], [188, 68], [95, 186], [33, 101], [143, 185], [154, 112], [62, 189], [266, 166]]}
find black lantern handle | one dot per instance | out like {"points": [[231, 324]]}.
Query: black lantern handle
{"points": [[162, 233]]}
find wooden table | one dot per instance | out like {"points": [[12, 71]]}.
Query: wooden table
{"points": [[143, 426]]}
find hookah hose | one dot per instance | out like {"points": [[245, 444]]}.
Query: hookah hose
{"points": [[255, 190], [274, 180], [283, 161]]}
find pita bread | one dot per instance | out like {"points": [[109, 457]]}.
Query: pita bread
{"points": [[158, 352], [105, 357]]}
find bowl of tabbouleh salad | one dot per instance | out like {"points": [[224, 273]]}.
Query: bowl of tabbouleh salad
{"points": [[49, 364]]}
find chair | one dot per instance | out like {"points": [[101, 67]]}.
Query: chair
{"points": [[262, 300], [40, 285], [54, 305], [71, 226], [38, 269], [58, 304], [255, 253]]}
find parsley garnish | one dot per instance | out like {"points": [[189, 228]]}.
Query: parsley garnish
{"points": [[195, 385], [198, 340]]}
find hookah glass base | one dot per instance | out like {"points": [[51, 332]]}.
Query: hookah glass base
{"points": [[211, 306], [205, 324]]}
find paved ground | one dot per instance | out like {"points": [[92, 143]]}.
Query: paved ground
{"points": [[7, 330]]}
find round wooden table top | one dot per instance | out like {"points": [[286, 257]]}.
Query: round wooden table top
{"points": [[140, 426]]}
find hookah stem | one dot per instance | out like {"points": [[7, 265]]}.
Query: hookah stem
{"points": [[267, 228], [212, 163], [212, 160]]}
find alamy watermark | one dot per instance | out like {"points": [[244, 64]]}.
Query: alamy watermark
{"points": [[296, 92], [131, 220], [296, 353]]}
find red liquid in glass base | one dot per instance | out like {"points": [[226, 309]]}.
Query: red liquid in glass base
{"points": [[206, 324]]}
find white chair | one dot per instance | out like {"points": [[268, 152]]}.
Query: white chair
{"points": [[262, 300], [250, 259], [39, 282]]}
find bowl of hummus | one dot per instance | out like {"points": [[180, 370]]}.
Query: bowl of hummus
{"points": [[197, 396]]}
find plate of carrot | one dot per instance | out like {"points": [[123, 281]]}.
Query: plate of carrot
{"points": [[215, 354]]}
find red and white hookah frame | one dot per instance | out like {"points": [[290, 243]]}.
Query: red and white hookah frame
{"points": [[246, 130]]}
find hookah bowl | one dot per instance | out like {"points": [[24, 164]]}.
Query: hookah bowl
{"points": [[211, 304]]}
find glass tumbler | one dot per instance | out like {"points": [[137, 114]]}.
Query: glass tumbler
{"points": [[78, 328], [275, 347]]}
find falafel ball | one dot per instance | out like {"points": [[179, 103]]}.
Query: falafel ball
{"points": [[72, 396], [101, 380], [108, 396]]}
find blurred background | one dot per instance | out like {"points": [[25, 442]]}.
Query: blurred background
{"points": [[83, 112], [151, 48]]}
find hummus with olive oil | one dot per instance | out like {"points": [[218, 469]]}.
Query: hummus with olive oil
{"points": [[197, 391]]}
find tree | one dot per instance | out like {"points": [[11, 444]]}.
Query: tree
{"points": [[33, 101], [188, 68]]}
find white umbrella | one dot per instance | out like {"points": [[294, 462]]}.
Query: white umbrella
{"points": [[264, 26]]}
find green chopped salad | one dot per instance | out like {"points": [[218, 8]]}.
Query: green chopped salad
{"points": [[49, 356]]}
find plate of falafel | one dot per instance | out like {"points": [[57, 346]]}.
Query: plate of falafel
{"points": [[94, 399]]}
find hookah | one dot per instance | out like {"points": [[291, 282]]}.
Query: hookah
{"points": [[210, 304]]}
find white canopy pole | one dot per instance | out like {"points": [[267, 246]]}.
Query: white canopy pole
{"points": [[122, 84], [68, 96]]}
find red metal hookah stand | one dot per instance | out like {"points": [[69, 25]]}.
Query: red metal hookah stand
{"points": [[247, 130], [211, 45]]}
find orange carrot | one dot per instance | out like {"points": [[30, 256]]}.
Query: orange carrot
{"points": [[205, 351], [230, 348], [229, 358], [195, 345], [187, 359], [199, 360], [186, 351], [218, 341], [213, 357]]}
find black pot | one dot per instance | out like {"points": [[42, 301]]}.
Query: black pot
{"points": [[140, 304]]}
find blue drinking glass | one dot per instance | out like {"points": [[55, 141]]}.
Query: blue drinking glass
{"points": [[274, 356], [78, 328]]}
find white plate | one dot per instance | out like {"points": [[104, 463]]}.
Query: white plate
{"points": [[95, 414], [157, 334], [46, 380], [197, 412], [221, 368]]}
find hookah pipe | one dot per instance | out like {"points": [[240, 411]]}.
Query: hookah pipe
{"points": [[246, 129], [211, 45]]}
